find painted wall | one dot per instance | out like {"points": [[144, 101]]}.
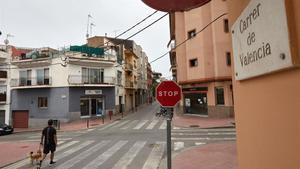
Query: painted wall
{"points": [[209, 46], [27, 99], [267, 108]]}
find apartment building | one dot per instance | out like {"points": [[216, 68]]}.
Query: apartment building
{"points": [[134, 66], [66, 85], [202, 64], [4, 85]]}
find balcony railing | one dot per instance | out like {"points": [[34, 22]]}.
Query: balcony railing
{"points": [[89, 80], [129, 84], [2, 97], [31, 82], [128, 66]]}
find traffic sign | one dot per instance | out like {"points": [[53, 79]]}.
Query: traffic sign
{"points": [[168, 93]]}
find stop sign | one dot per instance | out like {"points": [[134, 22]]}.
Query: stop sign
{"points": [[168, 93]]}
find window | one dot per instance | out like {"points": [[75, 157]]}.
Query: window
{"points": [[25, 78], [219, 96], [192, 33], [42, 102], [228, 58], [42, 76], [226, 26], [119, 76], [193, 62], [92, 76]]}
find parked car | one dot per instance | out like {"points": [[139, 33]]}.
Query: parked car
{"points": [[5, 129]]}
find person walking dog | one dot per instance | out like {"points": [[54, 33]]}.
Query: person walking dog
{"points": [[49, 142]]}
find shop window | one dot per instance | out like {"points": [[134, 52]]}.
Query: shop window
{"points": [[226, 25], [42, 102], [220, 96], [228, 58], [191, 33], [193, 62]]}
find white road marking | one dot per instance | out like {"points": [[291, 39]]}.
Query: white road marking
{"points": [[155, 156], [130, 124], [121, 124], [163, 125], [74, 149], [130, 155], [199, 143], [70, 163], [60, 142], [205, 130], [178, 145], [96, 163], [24, 162], [176, 128], [152, 124], [38, 140], [203, 134], [108, 125], [204, 138], [90, 130], [140, 124]]}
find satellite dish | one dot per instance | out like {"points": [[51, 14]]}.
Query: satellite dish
{"points": [[6, 42]]}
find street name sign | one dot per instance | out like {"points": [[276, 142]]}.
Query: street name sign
{"points": [[261, 41], [168, 93]]}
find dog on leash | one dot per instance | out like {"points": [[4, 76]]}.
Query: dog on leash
{"points": [[35, 156]]}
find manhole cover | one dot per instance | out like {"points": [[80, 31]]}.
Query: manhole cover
{"points": [[194, 126]]}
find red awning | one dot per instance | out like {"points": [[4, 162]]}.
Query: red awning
{"points": [[174, 5]]}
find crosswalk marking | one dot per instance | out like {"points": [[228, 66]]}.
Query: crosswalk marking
{"points": [[155, 156], [203, 134], [121, 124], [108, 125], [130, 155], [202, 138], [38, 140], [152, 124], [130, 124], [70, 163], [24, 162], [140, 124], [106, 155], [199, 143], [74, 149], [178, 145], [163, 125]]}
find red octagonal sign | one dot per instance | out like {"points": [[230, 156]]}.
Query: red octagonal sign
{"points": [[168, 93]]}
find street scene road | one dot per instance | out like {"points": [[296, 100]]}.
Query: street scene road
{"points": [[136, 141]]}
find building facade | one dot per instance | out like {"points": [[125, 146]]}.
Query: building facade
{"points": [[4, 85], [202, 64], [66, 85]]}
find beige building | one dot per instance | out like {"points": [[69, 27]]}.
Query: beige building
{"points": [[202, 65]]}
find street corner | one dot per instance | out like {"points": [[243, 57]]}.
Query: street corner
{"points": [[15, 151], [214, 155]]}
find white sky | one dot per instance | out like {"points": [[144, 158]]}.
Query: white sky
{"points": [[58, 23]]}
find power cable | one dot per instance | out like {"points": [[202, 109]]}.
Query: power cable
{"points": [[189, 38]]}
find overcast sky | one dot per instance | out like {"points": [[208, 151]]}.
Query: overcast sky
{"points": [[58, 23]]}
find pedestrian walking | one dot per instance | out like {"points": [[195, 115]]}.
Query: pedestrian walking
{"points": [[49, 141]]}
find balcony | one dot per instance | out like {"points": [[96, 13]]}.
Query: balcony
{"points": [[128, 67], [3, 75], [91, 81], [31, 82], [32, 62], [83, 59], [2, 98], [129, 84]]}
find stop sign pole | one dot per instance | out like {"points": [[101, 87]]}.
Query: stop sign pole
{"points": [[168, 94]]}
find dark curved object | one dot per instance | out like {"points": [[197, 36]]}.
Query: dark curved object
{"points": [[174, 5]]}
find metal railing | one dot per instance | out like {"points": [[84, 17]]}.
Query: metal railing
{"points": [[31, 82], [81, 80], [129, 84]]}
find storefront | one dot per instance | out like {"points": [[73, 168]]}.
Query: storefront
{"points": [[195, 100], [92, 105]]}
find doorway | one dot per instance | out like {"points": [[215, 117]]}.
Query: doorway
{"points": [[195, 103], [92, 107]]}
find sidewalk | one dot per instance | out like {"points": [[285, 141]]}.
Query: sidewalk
{"points": [[210, 156], [20, 150], [201, 122]]}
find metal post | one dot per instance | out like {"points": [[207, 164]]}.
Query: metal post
{"points": [[169, 149], [102, 119], [87, 123]]}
